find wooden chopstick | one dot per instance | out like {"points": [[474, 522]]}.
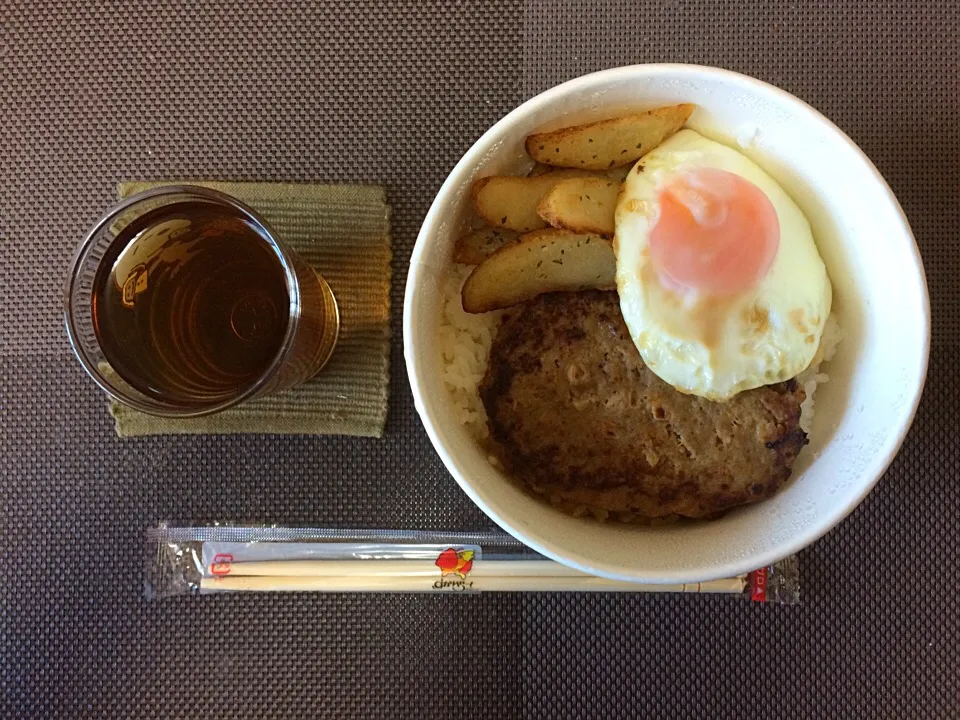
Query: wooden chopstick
{"points": [[416, 583], [397, 568]]}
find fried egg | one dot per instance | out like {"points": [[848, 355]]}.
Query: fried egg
{"points": [[720, 281]]}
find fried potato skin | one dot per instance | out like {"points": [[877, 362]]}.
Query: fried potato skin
{"points": [[543, 261], [608, 143]]}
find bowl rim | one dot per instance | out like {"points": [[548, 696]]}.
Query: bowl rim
{"points": [[428, 415]]}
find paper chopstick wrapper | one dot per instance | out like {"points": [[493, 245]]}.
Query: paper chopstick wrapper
{"points": [[222, 559], [424, 576], [386, 583]]}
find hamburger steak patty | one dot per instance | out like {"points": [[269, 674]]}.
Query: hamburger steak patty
{"points": [[576, 416]]}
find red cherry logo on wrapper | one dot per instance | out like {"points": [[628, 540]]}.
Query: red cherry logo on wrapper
{"points": [[448, 560], [454, 562]]}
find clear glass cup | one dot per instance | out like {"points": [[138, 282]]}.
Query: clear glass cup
{"points": [[183, 302]]}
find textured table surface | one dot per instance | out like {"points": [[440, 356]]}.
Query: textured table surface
{"points": [[93, 93]]}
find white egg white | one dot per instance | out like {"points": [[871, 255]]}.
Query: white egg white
{"points": [[718, 347]]}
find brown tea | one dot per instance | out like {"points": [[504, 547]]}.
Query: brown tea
{"points": [[191, 303]]}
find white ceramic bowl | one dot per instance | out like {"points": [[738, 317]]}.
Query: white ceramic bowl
{"points": [[862, 414]]}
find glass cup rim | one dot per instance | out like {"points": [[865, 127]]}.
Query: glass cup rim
{"points": [[215, 196]]}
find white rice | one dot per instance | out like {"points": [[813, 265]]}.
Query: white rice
{"points": [[812, 377], [465, 342]]}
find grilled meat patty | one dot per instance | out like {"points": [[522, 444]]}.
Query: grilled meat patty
{"points": [[577, 417]]}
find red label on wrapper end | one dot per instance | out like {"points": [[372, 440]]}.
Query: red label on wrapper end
{"points": [[758, 585], [221, 564]]}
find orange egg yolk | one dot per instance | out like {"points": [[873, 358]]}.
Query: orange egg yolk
{"points": [[716, 233]]}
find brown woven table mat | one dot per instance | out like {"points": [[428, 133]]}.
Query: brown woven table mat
{"points": [[392, 94]]}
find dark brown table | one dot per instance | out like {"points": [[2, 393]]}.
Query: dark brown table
{"points": [[93, 92]]}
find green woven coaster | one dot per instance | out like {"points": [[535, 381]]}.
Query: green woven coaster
{"points": [[344, 232]]}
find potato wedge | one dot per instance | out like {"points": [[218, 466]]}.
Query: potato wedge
{"points": [[539, 262], [505, 201], [477, 245], [582, 205], [608, 143]]}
